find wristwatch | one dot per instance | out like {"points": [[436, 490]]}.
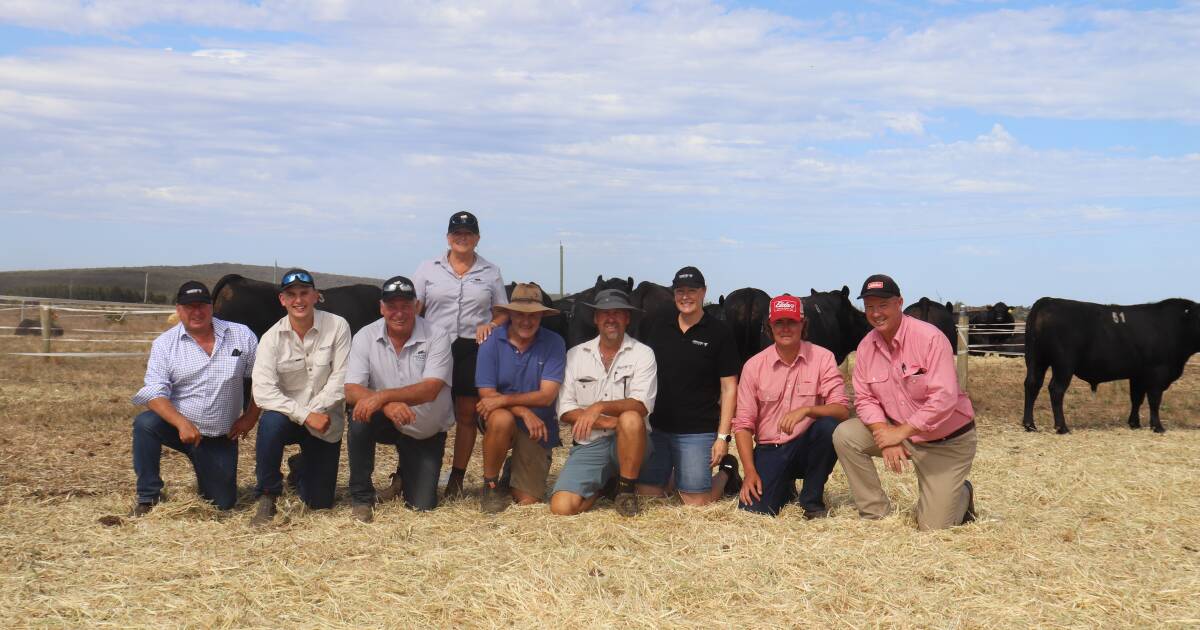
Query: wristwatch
{"points": [[725, 436]]}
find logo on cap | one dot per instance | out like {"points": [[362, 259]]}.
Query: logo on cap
{"points": [[875, 285], [190, 291], [784, 305]]}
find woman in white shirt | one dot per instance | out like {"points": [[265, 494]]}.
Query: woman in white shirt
{"points": [[458, 291]]}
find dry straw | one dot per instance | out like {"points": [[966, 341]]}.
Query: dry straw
{"points": [[1097, 529]]}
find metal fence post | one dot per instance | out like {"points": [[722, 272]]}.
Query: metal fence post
{"points": [[46, 319], [964, 349]]}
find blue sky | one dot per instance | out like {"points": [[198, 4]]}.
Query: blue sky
{"points": [[976, 150]]}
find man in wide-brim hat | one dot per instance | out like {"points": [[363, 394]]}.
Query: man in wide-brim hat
{"points": [[518, 373]]}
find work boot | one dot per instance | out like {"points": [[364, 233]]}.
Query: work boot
{"points": [[627, 503], [733, 480], [506, 474], [495, 499], [140, 509], [609, 491], [392, 492], [295, 463], [812, 515], [362, 512], [969, 516], [265, 511], [454, 485]]}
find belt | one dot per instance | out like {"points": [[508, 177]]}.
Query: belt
{"points": [[970, 426]]}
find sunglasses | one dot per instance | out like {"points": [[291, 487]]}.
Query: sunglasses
{"points": [[397, 286], [296, 276]]}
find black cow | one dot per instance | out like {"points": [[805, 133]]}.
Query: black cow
{"points": [[940, 315], [33, 327], [833, 321], [995, 329], [657, 302], [256, 303], [581, 325], [1149, 344], [556, 323], [745, 311]]}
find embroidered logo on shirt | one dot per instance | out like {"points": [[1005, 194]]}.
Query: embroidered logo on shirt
{"points": [[703, 344], [419, 356]]}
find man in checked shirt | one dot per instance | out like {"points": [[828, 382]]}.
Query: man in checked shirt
{"points": [[910, 406], [194, 390], [790, 399]]}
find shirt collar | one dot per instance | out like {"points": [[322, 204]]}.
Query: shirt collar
{"points": [[593, 344], [420, 333], [802, 354], [480, 262], [898, 340], [318, 316]]}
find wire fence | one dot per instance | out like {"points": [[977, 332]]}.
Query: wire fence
{"points": [[47, 317]]}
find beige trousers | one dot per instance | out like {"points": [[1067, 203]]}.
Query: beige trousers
{"points": [[941, 469]]}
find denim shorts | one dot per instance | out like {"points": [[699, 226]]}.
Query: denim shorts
{"points": [[688, 454], [590, 466]]}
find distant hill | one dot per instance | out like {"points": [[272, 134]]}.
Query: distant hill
{"points": [[163, 280]]}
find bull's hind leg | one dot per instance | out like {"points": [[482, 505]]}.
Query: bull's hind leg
{"points": [[1155, 395], [1137, 393], [1035, 376], [1059, 381]]}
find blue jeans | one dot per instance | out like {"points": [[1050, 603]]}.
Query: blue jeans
{"points": [[319, 462], [810, 457], [214, 459], [420, 461], [688, 454]]}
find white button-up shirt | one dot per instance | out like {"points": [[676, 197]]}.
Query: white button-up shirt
{"points": [[206, 389], [458, 305], [297, 377], [375, 364], [633, 374]]}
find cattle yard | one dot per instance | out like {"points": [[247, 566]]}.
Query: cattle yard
{"points": [[1098, 528]]}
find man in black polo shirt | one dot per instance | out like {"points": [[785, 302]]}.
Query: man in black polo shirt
{"points": [[697, 393]]}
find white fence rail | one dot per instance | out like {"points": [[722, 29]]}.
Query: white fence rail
{"points": [[47, 311]]}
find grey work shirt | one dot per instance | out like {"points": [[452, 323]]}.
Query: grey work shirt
{"points": [[458, 305], [375, 364], [633, 374], [297, 377]]}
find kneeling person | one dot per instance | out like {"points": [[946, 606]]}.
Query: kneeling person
{"points": [[518, 373], [398, 380], [790, 399], [607, 396], [299, 380], [194, 390]]}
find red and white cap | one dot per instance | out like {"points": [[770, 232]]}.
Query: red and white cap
{"points": [[786, 307]]}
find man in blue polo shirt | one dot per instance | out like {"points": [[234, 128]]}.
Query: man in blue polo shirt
{"points": [[518, 372]]}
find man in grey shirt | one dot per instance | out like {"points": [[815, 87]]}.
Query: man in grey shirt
{"points": [[398, 380]]}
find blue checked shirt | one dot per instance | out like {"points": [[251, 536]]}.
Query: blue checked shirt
{"points": [[206, 390]]}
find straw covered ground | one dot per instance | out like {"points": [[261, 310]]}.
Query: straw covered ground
{"points": [[1096, 529]]}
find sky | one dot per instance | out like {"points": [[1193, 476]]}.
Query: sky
{"points": [[977, 151]]}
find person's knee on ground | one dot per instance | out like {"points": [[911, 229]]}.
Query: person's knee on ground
{"points": [[566, 504]]}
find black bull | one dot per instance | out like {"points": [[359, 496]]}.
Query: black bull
{"points": [[256, 303], [1149, 344]]}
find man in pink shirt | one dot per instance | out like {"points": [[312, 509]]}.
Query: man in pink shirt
{"points": [[790, 399], [909, 407]]}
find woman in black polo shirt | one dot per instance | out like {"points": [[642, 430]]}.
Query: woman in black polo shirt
{"points": [[698, 366]]}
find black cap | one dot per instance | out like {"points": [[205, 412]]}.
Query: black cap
{"points": [[193, 292], [398, 286], [688, 277], [295, 277], [879, 285], [463, 221]]}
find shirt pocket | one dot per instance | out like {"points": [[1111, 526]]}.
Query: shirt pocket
{"points": [[586, 390], [806, 393], [293, 375], [916, 384], [766, 395]]}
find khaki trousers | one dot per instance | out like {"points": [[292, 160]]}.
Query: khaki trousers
{"points": [[941, 469]]}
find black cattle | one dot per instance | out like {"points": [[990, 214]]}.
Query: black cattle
{"points": [[991, 329], [256, 303], [33, 327], [556, 323], [745, 311], [581, 325], [940, 315], [833, 321], [1149, 344], [656, 301]]}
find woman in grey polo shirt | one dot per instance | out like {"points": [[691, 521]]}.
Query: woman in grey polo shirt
{"points": [[458, 291]]}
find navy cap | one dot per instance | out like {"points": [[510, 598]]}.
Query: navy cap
{"points": [[879, 285], [193, 292], [463, 221], [688, 277], [398, 286]]}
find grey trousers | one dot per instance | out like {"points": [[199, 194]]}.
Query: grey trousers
{"points": [[941, 469]]}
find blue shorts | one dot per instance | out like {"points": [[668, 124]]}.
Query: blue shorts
{"points": [[688, 454], [590, 466]]}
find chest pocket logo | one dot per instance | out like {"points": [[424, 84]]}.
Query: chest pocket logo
{"points": [[419, 357]]}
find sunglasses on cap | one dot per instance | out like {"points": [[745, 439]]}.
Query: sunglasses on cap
{"points": [[296, 276]]}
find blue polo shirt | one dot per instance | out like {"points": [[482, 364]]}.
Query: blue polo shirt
{"points": [[501, 367]]}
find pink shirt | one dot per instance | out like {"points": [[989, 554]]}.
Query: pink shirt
{"points": [[911, 382], [769, 388]]}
